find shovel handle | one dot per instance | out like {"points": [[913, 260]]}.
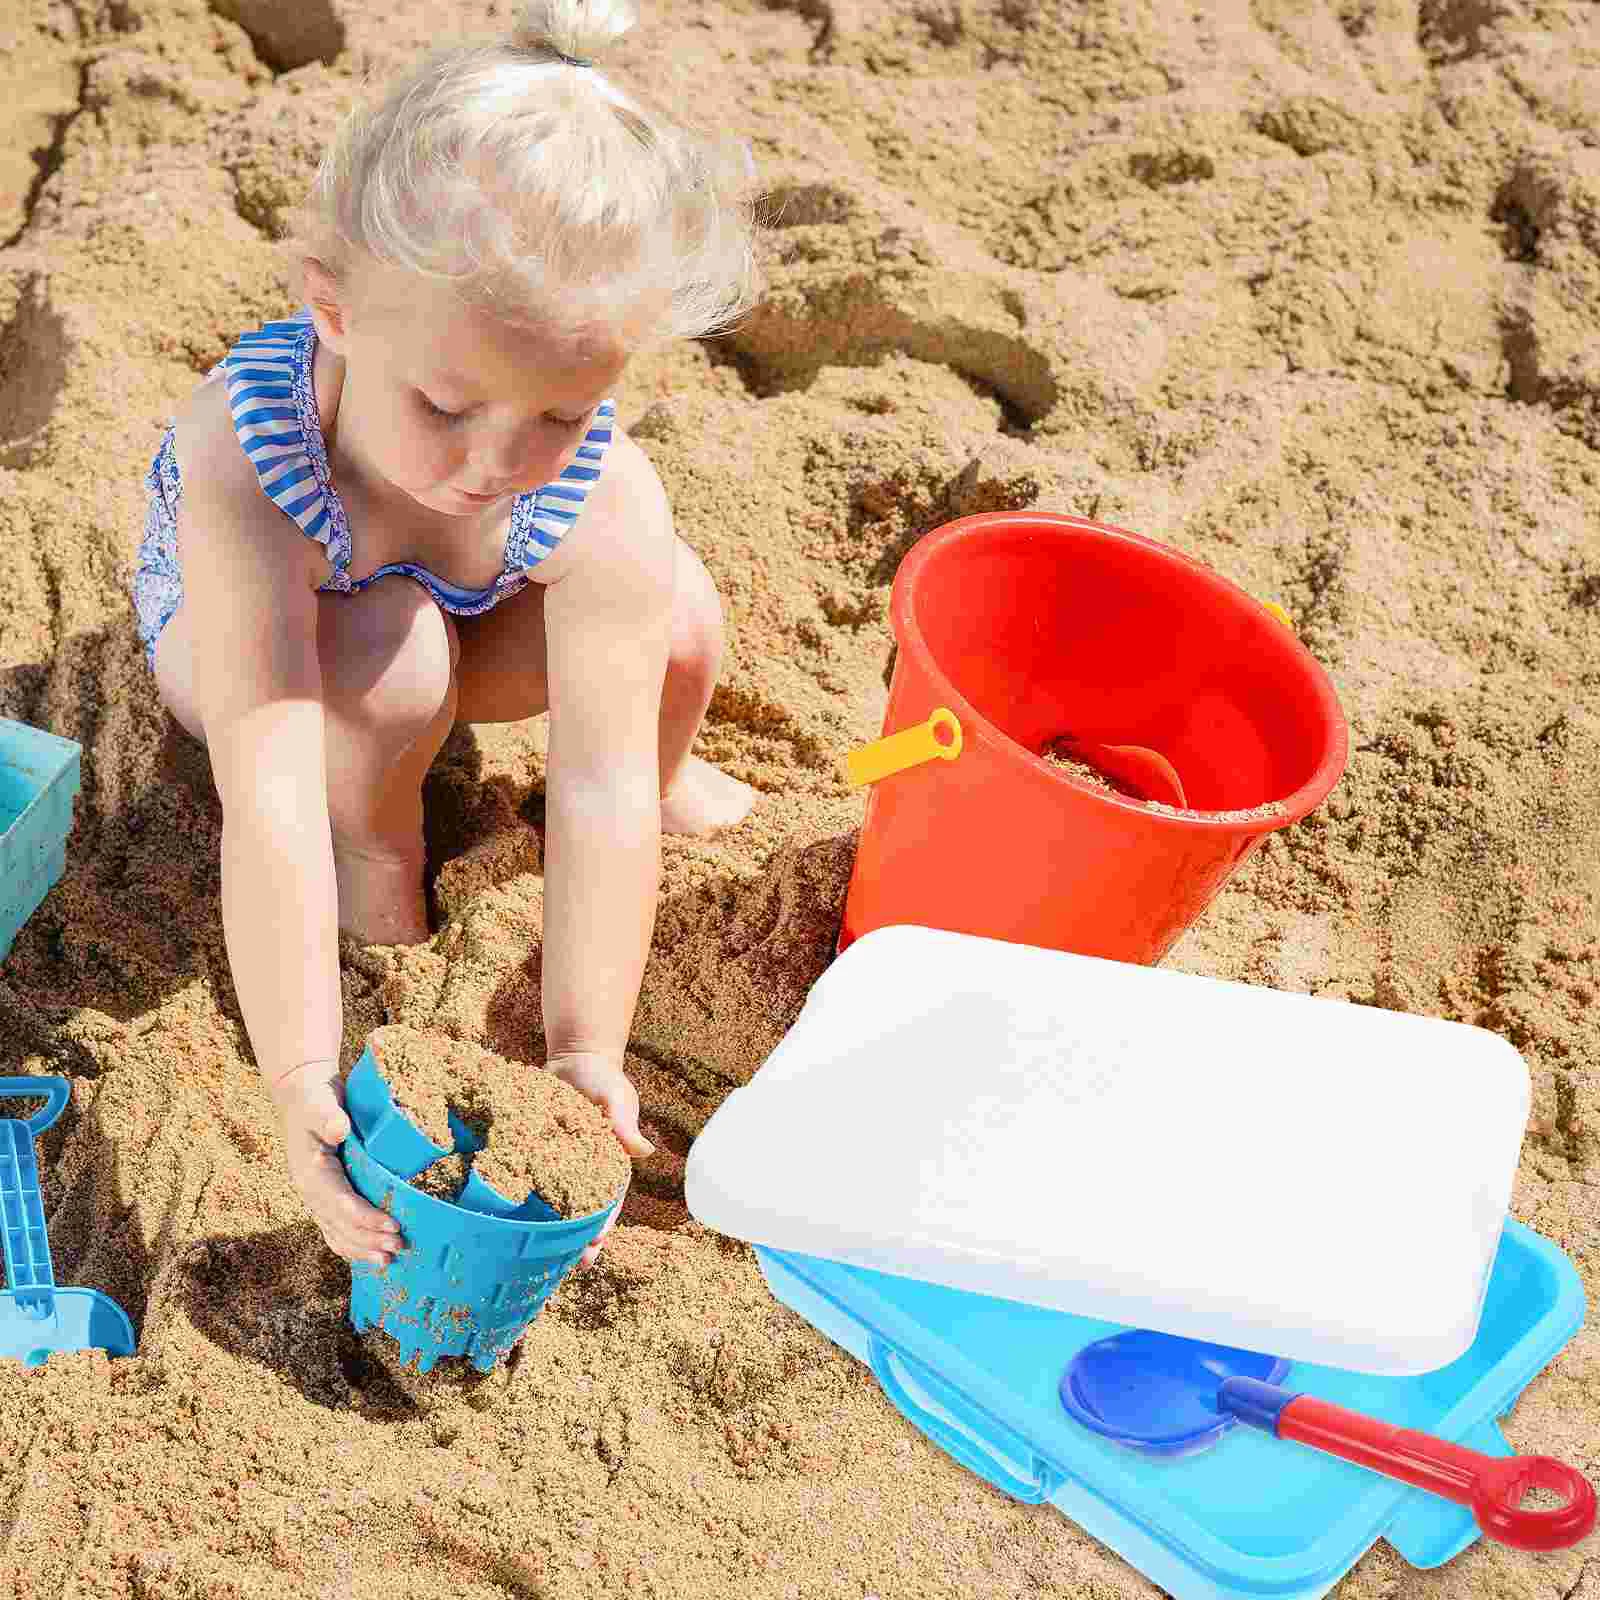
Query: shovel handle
{"points": [[55, 1092], [1492, 1487]]}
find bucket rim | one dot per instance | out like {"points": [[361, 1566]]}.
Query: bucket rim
{"points": [[1298, 804], [524, 1225]]}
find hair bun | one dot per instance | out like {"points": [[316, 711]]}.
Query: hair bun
{"points": [[581, 29]]}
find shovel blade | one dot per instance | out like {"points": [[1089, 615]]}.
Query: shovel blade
{"points": [[79, 1319]]}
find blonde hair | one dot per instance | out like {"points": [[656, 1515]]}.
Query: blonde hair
{"points": [[522, 175]]}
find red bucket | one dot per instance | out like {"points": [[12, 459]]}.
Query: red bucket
{"points": [[1027, 627]]}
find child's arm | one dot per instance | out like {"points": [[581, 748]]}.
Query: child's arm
{"points": [[608, 627], [256, 681]]}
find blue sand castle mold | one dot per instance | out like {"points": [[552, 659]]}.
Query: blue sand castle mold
{"points": [[395, 1142], [39, 779], [481, 1196], [36, 1318], [466, 1284]]}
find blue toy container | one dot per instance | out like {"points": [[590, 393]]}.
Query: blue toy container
{"points": [[39, 779], [1251, 1517], [465, 1284]]}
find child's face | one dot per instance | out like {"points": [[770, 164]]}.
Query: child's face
{"points": [[456, 408]]}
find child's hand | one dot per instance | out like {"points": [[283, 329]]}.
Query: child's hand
{"points": [[600, 1077], [313, 1126]]}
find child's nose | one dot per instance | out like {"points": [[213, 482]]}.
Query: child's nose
{"points": [[509, 455]]}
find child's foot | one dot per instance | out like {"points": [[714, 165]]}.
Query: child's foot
{"points": [[380, 896], [703, 799]]}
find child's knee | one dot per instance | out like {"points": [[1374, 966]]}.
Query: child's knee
{"points": [[697, 616], [405, 656]]}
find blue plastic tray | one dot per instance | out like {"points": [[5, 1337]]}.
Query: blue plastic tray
{"points": [[39, 779], [1254, 1516]]}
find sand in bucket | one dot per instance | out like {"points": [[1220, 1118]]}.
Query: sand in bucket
{"points": [[1027, 625], [533, 1133], [445, 1179], [1054, 753]]}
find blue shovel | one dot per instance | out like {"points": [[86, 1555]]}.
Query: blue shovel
{"points": [[36, 1318], [1165, 1396]]}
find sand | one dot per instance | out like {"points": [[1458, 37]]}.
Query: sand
{"points": [[1265, 812], [1054, 754], [550, 1141], [444, 1178], [1087, 772], [1304, 287], [426, 1075], [541, 1136]]}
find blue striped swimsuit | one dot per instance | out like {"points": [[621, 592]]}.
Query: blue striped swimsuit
{"points": [[274, 406]]}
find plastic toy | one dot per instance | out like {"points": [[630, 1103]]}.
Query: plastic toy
{"points": [[978, 1376], [1156, 1148], [38, 1320], [1019, 627], [1168, 1397], [395, 1142], [1146, 771], [389, 1136], [39, 778], [466, 1284]]}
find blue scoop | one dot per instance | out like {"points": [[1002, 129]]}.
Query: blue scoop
{"points": [[36, 1318], [1156, 1393], [1165, 1396]]}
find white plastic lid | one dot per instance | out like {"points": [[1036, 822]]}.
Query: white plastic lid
{"points": [[1316, 1179]]}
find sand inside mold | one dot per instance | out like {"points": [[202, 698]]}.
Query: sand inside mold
{"points": [[424, 1074], [541, 1136], [443, 1179], [1304, 288]]}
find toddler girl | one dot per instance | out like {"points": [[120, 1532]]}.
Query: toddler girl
{"points": [[410, 505]]}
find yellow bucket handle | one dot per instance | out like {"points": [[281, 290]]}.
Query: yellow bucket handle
{"points": [[908, 748]]}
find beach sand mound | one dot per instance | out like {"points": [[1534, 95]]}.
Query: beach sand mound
{"points": [[1304, 287]]}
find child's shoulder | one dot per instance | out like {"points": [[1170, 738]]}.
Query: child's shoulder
{"points": [[206, 431], [207, 446], [630, 484], [223, 502], [626, 522]]}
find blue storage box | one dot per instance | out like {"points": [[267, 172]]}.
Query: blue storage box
{"points": [[39, 779], [1254, 1515]]}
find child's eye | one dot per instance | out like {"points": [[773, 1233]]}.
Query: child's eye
{"points": [[438, 411], [570, 422]]}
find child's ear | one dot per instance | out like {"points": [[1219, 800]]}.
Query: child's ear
{"points": [[325, 296]]}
